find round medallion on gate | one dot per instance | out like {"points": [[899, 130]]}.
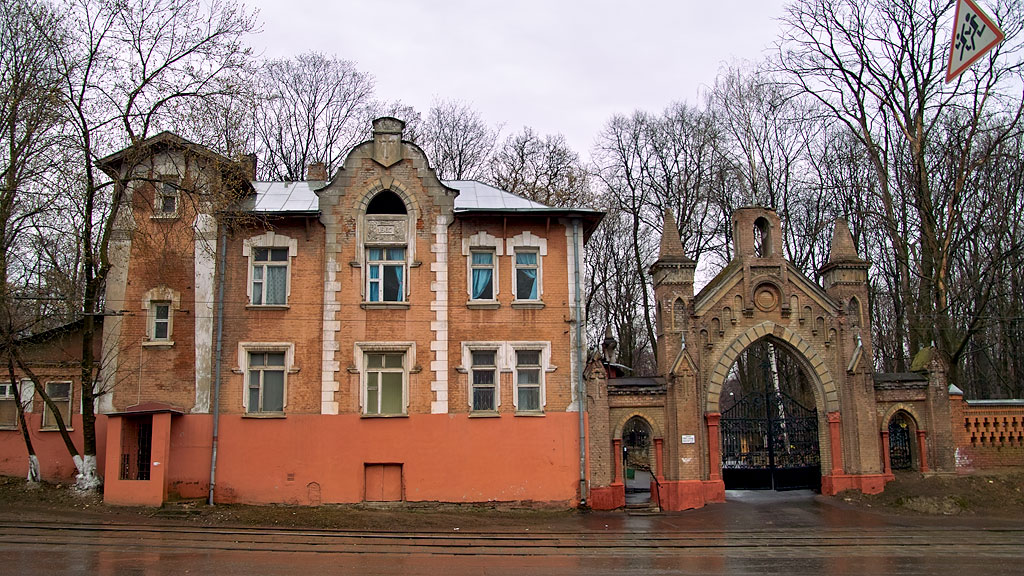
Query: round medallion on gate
{"points": [[766, 297]]}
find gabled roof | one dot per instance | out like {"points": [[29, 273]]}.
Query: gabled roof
{"points": [[163, 141], [733, 273]]}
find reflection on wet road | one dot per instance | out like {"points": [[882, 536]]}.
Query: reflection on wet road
{"points": [[750, 534]]}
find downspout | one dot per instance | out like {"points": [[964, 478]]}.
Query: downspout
{"points": [[582, 386], [221, 262]]}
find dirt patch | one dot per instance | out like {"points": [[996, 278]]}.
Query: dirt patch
{"points": [[997, 495], [45, 501]]}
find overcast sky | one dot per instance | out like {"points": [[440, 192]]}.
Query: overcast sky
{"points": [[557, 66]]}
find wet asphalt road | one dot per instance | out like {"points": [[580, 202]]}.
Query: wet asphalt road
{"points": [[753, 533]]}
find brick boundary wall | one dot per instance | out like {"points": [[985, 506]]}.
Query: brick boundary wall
{"points": [[988, 434]]}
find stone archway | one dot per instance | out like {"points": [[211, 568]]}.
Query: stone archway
{"points": [[823, 387]]}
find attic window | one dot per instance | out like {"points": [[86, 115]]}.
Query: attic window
{"points": [[386, 202], [165, 201]]}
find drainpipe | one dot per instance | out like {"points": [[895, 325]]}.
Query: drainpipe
{"points": [[222, 242], [582, 387]]}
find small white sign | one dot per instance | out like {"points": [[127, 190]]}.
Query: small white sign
{"points": [[689, 439], [974, 34]]}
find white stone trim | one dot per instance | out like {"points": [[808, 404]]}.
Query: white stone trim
{"points": [[501, 361], [269, 239], [482, 240], [203, 318], [545, 367], [439, 306], [408, 349], [243, 365], [527, 240], [570, 256]]}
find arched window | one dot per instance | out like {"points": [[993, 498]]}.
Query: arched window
{"points": [[386, 202], [762, 238], [385, 240], [853, 312]]}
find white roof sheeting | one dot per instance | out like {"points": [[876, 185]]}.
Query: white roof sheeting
{"points": [[274, 197], [480, 196], [301, 197]]}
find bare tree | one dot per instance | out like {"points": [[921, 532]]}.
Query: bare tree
{"points": [[544, 169], [878, 68], [128, 67], [311, 108], [458, 140], [30, 117]]}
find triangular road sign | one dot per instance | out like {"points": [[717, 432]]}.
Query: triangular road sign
{"points": [[974, 34]]}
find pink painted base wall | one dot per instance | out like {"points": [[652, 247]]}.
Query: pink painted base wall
{"points": [[311, 459], [320, 459], [55, 464]]}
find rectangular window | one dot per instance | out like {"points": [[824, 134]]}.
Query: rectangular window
{"points": [[385, 383], [266, 382], [269, 276], [161, 321], [385, 274], [8, 408], [482, 277], [60, 394], [528, 380], [165, 201], [526, 275], [485, 379]]}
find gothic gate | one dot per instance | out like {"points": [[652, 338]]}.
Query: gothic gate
{"points": [[770, 441]]}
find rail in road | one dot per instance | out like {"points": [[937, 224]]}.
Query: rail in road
{"points": [[752, 543]]}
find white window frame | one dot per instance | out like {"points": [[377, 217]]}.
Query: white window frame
{"points": [[360, 352], [527, 242], [381, 264], [479, 242], [154, 297], [68, 400], [167, 187], [244, 349], [500, 365], [7, 394], [269, 240], [156, 321], [544, 357]]}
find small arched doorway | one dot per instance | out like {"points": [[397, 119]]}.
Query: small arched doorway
{"points": [[637, 459], [901, 456]]}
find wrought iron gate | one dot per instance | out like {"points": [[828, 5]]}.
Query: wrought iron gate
{"points": [[899, 444], [770, 441]]}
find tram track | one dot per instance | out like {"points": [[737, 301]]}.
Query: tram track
{"points": [[768, 542]]}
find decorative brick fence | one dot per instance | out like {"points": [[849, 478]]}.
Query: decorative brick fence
{"points": [[988, 433]]}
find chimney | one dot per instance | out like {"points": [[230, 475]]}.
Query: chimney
{"points": [[248, 165], [316, 171]]}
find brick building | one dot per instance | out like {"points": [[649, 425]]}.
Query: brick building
{"points": [[376, 334], [370, 335]]}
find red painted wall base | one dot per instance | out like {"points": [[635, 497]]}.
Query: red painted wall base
{"points": [[866, 483], [608, 497], [679, 495]]}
